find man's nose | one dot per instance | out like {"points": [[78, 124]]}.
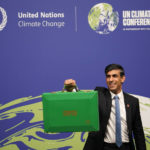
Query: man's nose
{"points": [[111, 78]]}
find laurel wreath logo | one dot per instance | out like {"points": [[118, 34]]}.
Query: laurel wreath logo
{"points": [[4, 19]]}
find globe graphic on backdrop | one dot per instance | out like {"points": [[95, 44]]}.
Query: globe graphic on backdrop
{"points": [[102, 19]]}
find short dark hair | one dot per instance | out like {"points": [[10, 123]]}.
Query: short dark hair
{"points": [[115, 67]]}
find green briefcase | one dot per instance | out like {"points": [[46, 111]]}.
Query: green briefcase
{"points": [[70, 111]]}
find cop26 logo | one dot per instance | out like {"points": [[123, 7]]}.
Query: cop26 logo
{"points": [[103, 19], [4, 18]]}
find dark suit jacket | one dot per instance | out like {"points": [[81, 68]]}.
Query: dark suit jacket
{"points": [[95, 140]]}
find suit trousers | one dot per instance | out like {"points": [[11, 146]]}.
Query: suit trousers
{"points": [[109, 146]]}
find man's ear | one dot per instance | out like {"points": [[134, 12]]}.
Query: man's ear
{"points": [[123, 79]]}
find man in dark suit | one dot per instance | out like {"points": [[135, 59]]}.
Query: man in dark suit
{"points": [[119, 115]]}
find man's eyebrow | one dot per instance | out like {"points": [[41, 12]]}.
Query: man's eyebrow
{"points": [[114, 75]]}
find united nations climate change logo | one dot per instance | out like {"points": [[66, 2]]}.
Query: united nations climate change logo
{"points": [[4, 18], [102, 19]]}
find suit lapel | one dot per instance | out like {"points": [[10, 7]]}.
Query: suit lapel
{"points": [[128, 109], [108, 104]]}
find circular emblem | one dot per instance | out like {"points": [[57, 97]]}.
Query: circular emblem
{"points": [[4, 19], [102, 19]]}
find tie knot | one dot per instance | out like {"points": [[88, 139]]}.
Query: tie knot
{"points": [[116, 97]]}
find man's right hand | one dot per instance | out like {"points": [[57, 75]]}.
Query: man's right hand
{"points": [[69, 84]]}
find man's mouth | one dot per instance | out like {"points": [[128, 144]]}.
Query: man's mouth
{"points": [[112, 84]]}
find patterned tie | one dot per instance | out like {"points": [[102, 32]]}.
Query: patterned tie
{"points": [[118, 122]]}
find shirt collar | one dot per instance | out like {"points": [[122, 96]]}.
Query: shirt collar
{"points": [[120, 95]]}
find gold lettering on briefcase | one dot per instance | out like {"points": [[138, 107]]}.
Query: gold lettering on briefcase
{"points": [[87, 121], [70, 113]]}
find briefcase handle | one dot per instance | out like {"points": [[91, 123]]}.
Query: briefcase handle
{"points": [[71, 87]]}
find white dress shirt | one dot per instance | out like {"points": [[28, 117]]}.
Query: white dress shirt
{"points": [[110, 136]]}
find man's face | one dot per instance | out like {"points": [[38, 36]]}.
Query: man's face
{"points": [[114, 81]]}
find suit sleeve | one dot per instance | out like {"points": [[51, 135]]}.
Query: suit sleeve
{"points": [[91, 143], [138, 130]]}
